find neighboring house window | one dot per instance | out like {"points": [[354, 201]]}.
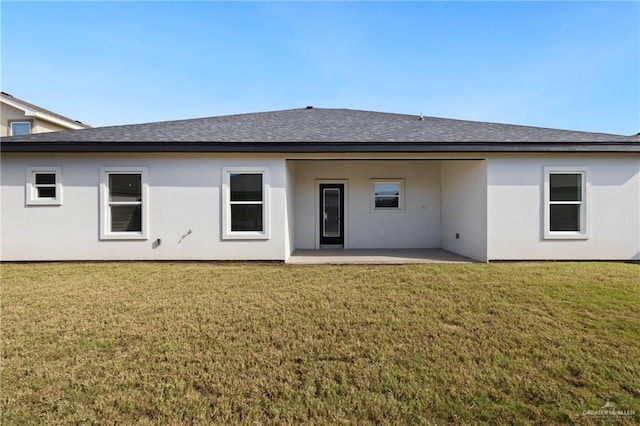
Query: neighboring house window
{"points": [[124, 203], [566, 197], [44, 186], [245, 203], [388, 195], [19, 128]]}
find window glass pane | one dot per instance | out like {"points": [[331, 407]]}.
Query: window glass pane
{"points": [[387, 189], [126, 218], [46, 192], [331, 203], [387, 195], [21, 128], [45, 178], [125, 187], [246, 217], [565, 187], [565, 217], [387, 202], [246, 186]]}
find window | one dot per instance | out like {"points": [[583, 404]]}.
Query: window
{"points": [[245, 203], [566, 192], [19, 128], [387, 195], [124, 203], [44, 186]]}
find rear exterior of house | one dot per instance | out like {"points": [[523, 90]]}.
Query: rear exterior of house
{"points": [[86, 197]]}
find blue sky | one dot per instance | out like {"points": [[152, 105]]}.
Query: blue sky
{"points": [[572, 65]]}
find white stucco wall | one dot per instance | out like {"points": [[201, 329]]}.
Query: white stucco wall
{"points": [[184, 193], [464, 208], [418, 226], [516, 208], [290, 209], [442, 197]]}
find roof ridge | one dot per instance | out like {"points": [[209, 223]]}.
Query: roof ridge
{"points": [[326, 124], [555, 129]]}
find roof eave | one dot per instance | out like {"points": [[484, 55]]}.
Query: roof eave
{"points": [[29, 111], [316, 147], [68, 124]]}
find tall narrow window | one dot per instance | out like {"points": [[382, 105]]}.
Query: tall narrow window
{"points": [[565, 203], [124, 203], [44, 186], [19, 128], [245, 203]]}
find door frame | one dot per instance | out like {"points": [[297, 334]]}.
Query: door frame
{"points": [[345, 218]]}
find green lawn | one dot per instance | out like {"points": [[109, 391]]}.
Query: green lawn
{"points": [[205, 343]]}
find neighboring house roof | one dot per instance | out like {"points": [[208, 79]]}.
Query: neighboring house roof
{"points": [[320, 130], [32, 110]]}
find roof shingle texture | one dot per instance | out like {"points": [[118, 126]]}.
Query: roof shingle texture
{"points": [[321, 125]]}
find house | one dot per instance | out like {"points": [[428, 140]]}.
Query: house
{"points": [[19, 117], [259, 186]]}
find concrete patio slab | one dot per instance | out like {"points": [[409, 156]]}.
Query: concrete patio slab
{"points": [[374, 256]]}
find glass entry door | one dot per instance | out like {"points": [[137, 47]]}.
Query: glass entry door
{"points": [[331, 213]]}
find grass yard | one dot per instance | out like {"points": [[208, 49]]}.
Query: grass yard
{"points": [[147, 343]]}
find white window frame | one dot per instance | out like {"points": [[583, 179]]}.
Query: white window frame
{"points": [[12, 122], [32, 188], [105, 211], [400, 208], [227, 233], [584, 232]]}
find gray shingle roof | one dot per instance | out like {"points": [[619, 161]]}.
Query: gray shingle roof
{"points": [[319, 125]]}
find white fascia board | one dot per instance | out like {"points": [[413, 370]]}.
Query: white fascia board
{"points": [[29, 112], [18, 105], [65, 123]]}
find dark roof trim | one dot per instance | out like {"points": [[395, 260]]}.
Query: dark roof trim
{"points": [[317, 147]]}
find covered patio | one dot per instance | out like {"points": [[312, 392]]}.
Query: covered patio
{"points": [[434, 207], [374, 256]]}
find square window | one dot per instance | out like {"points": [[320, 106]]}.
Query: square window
{"points": [[126, 218], [44, 186], [123, 209], [125, 187], [387, 195], [246, 186], [19, 128]]}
